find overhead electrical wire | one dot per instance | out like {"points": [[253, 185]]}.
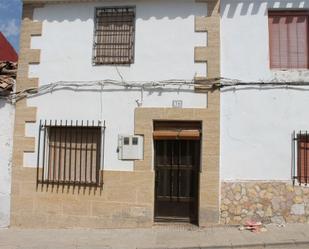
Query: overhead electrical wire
{"points": [[174, 84]]}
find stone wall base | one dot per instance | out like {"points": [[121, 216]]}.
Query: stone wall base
{"points": [[125, 201], [269, 202]]}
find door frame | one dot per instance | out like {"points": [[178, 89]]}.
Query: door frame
{"points": [[197, 200]]}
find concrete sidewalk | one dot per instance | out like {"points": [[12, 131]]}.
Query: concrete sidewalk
{"points": [[163, 236]]}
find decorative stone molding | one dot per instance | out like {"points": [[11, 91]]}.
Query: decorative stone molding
{"points": [[269, 202]]}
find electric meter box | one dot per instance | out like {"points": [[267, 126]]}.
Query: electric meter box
{"points": [[130, 147]]}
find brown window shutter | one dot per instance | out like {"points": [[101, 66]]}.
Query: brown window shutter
{"points": [[114, 35], [303, 160], [301, 24], [71, 154], [288, 40], [274, 29]]}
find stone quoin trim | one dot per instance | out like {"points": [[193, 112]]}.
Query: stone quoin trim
{"points": [[210, 53], [23, 113]]}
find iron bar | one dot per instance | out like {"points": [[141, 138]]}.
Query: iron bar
{"points": [[299, 165], [44, 144], [171, 170], [49, 152], [178, 170], [67, 183], [98, 158], [91, 152], [87, 133], [54, 159], [81, 152], [38, 156], [70, 155], [89, 143], [75, 166], [102, 140], [65, 152], [294, 141], [59, 154], [305, 155]]}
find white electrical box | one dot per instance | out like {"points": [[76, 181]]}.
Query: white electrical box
{"points": [[130, 147]]}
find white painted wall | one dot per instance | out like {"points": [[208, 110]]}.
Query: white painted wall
{"points": [[257, 123], [6, 145], [164, 49]]}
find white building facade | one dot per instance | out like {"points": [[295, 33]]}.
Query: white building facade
{"points": [[259, 122], [6, 146], [117, 120], [149, 111]]}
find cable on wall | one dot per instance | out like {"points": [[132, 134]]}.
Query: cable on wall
{"points": [[173, 84]]}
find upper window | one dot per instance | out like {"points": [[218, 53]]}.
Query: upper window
{"points": [[288, 32], [114, 35]]}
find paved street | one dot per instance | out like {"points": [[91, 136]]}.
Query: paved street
{"points": [[291, 236]]}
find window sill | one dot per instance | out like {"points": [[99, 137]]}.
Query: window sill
{"points": [[293, 75], [112, 65], [289, 70]]}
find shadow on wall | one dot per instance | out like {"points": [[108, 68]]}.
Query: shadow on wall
{"points": [[145, 10], [3, 102], [254, 7]]}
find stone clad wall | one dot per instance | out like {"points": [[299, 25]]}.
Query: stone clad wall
{"points": [[269, 202]]}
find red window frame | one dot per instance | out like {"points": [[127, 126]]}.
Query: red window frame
{"points": [[272, 13]]}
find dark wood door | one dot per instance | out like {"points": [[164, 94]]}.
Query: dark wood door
{"points": [[177, 180]]}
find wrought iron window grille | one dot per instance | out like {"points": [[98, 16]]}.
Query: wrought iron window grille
{"points": [[300, 157], [114, 36], [70, 153]]}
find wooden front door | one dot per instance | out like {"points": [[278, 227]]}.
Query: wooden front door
{"points": [[176, 180]]}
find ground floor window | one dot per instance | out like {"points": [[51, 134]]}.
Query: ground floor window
{"points": [[301, 168], [70, 153]]}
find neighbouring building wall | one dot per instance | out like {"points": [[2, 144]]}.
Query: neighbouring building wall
{"points": [[257, 122], [6, 146], [257, 127]]}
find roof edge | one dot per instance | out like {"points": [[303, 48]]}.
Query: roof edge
{"points": [[63, 1], [58, 1]]}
